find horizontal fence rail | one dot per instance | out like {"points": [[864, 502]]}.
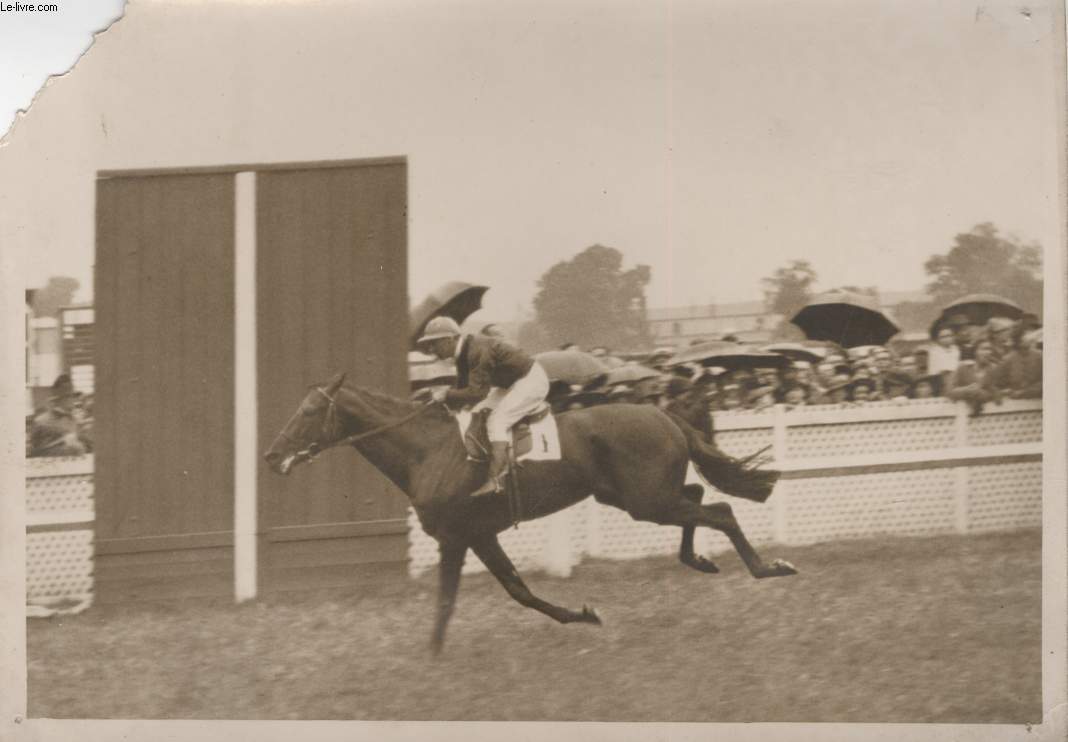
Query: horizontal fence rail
{"points": [[919, 467], [914, 467]]}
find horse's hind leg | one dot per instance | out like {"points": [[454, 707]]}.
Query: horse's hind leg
{"points": [[719, 515], [694, 493], [492, 555], [687, 513]]}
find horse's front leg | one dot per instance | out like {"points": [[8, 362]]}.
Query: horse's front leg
{"points": [[489, 550], [452, 562]]}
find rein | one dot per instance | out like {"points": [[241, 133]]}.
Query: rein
{"points": [[396, 423], [315, 448]]}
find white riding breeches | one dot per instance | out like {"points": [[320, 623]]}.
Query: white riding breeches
{"points": [[509, 406]]}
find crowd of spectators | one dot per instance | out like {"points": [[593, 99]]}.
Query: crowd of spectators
{"points": [[976, 364], [64, 425]]}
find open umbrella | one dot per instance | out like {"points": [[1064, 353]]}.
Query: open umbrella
{"points": [[455, 299], [846, 318], [630, 374], [730, 356], [796, 352], [976, 309], [697, 353], [570, 366]]}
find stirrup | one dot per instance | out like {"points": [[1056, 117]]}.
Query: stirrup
{"points": [[485, 489]]}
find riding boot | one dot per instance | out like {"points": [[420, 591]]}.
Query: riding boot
{"points": [[497, 467]]}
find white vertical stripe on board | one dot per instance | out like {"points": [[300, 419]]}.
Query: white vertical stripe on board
{"points": [[246, 454]]}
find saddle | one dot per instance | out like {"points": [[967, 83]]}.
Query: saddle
{"points": [[476, 439]]}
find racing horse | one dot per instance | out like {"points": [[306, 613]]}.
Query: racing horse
{"points": [[632, 457]]}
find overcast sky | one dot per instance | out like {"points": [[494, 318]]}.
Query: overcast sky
{"points": [[713, 141]]}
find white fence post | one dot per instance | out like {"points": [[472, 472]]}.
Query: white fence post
{"points": [[960, 473], [779, 527], [558, 558]]}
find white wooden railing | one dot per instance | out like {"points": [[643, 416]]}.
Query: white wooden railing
{"points": [[59, 533], [914, 467], [908, 468]]}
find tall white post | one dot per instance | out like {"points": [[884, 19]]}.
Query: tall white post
{"points": [[961, 490], [246, 454], [779, 525]]}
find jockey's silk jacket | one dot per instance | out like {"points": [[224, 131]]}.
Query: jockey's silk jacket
{"points": [[485, 362]]}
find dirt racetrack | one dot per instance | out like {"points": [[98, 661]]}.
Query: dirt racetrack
{"points": [[887, 630]]}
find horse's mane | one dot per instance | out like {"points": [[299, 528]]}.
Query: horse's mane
{"points": [[387, 405]]}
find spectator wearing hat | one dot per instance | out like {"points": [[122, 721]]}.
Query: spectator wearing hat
{"points": [[926, 387], [883, 360], [55, 431], [896, 385], [861, 390], [921, 355], [944, 356], [907, 365], [824, 374], [1030, 322], [1000, 330], [795, 394], [731, 397], [964, 332], [768, 377], [966, 384], [838, 391], [1018, 375]]}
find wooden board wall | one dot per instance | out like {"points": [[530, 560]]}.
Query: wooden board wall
{"points": [[332, 296], [163, 383]]}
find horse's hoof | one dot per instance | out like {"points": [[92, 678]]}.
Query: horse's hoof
{"points": [[782, 568], [589, 615], [705, 565]]}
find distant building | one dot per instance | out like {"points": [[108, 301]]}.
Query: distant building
{"points": [[77, 326], [57, 346], [749, 321]]}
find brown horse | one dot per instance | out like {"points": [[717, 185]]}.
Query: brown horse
{"points": [[633, 457]]}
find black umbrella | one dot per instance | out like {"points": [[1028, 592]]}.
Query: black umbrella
{"points": [[976, 309], [796, 352], [630, 373], [571, 366], [699, 352], [845, 318], [455, 299], [730, 356]]}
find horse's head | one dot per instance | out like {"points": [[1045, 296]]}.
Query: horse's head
{"points": [[313, 427]]}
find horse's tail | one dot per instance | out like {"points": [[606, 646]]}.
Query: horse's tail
{"points": [[737, 477]]}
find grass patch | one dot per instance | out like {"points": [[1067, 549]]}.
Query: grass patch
{"points": [[883, 630]]}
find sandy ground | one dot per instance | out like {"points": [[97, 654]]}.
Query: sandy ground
{"points": [[888, 630]]}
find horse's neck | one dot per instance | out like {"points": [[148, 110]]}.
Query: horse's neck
{"points": [[400, 445]]}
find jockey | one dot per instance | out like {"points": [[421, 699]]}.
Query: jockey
{"points": [[516, 384]]}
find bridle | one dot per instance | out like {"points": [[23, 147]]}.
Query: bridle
{"points": [[312, 451]]}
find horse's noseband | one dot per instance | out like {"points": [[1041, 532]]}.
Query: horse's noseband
{"points": [[330, 420]]}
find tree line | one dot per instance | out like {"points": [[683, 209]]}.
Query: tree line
{"points": [[592, 300]]}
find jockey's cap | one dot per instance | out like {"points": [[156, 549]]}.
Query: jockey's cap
{"points": [[439, 327]]}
